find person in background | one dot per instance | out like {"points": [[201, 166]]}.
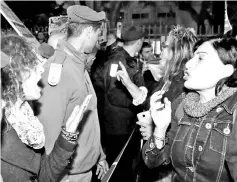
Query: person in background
{"points": [[119, 114], [146, 53], [176, 51], [73, 85], [111, 41], [54, 38], [41, 37], [145, 59], [201, 143], [23, 157], [97, 78]]}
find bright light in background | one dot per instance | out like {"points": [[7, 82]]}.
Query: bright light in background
{"points": [[156, 46]]}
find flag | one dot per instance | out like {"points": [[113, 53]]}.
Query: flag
{"points": [[227, 26]]}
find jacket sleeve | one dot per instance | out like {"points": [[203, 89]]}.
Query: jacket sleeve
{"points": [[118, 95], [154, 157], [102, 154], [57, 103], [54, 164], [231, 156]]}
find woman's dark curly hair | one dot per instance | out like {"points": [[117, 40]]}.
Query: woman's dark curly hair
{"points": [[22, 60], [227, 51]]}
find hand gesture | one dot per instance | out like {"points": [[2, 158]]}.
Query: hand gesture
{"points": [[74, 119], [122, 75], [146, 130], [160, 113], [156, 97], [102, 169]]}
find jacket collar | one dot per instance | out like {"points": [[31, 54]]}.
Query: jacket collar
{"points": [[131, 61], [14, 152], [77, 57], [231, 103]]}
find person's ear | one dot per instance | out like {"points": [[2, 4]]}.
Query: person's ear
{"points": [[228, 70], [89, 32]]}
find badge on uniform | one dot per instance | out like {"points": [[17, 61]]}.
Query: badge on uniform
{"points": [[54, 73]]}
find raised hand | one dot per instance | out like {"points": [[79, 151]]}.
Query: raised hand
{"points": [[74, 119], [156, 97], [122, 75], [161, 114]]}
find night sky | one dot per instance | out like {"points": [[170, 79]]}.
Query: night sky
{"points": [[25, 9]]}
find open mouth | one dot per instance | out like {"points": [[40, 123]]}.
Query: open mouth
{"points": [[186, 75]]}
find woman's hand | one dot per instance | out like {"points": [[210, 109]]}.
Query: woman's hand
{"points": [[74, 120], [146, 130], [160, 113], [156, 97], [122, 75]]}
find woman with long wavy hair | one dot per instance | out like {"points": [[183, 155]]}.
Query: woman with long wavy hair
{"points": [[22, 136]]}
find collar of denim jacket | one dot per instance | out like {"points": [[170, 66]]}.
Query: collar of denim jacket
{"points": [[231, 103]]}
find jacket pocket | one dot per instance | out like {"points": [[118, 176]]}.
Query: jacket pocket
{"points": [[220, 131], [183, 129]]}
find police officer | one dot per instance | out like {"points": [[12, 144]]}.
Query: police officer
{"points": [[66, 84]]}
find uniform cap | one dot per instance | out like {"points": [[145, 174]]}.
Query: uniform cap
{"points": [[84, 14]]}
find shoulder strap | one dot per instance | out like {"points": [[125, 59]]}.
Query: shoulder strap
{"points": [[56, 68], [60, 56]]}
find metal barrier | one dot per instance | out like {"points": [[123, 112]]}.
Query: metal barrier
{"points": [[108, 175]]}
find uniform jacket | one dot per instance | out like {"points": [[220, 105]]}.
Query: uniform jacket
{"points": [[57, 103], [201, 150], [20, 163], [119, 112]]}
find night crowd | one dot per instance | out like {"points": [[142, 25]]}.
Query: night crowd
{"points": [[180, 106]]}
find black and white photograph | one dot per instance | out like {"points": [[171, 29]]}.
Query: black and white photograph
{"points": [[118, 91]]}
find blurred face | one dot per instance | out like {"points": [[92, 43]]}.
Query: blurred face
{"points": [[165, 51], [147, 53], [205, 69], [30, 83]]}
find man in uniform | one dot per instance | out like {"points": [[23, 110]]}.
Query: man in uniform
{"points": [[119, 111], [66, 84]]}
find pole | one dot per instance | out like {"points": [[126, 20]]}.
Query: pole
{"points": [[108, 175]]}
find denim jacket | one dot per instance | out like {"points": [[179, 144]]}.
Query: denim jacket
{"points": [[200, 150]]}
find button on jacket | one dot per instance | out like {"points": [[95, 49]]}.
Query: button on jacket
{"points": [[201, 150]]}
